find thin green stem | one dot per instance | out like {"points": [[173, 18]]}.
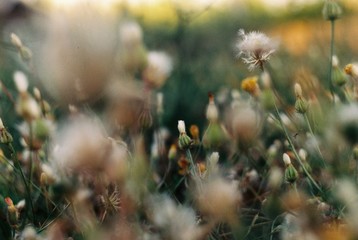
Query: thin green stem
{"points": [[314, 139], [331, 60], [189, 156], [31, 165], [295, 152], [17, 162]]}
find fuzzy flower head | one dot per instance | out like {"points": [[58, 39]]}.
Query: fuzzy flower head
{"points": [[159, 66], [255, 48]]}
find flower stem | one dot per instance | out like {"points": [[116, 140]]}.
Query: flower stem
{"points": [[295, 152], [17, 162], [331, 60], [315, 141]]}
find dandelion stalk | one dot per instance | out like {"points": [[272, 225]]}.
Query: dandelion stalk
{"points": [[331, 59], [295, 152], [316, 143]]}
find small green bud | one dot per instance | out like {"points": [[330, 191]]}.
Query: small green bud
{"points": [[338, 77], [214, 136], [185, 141], [301, 105], [5, 136], [267, 99], [331, 10], [291, 174]]}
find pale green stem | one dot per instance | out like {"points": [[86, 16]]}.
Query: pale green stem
{"points": [[331, 60], [295, 152], [314, 139], [17, 162]]}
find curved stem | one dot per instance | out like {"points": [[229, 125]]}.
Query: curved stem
{"points": [[17, 162], [295, 152], [331, 60], [316, 143]]}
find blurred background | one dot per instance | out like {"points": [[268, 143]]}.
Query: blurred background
{"points": [[199, 36]]}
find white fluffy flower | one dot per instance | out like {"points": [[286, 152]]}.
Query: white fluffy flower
{"points": [[255, 48], [158, 69]]}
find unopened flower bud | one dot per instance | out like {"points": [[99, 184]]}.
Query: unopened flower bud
{"points": [[25, 53], [5, 136], [194, 132], [275, 178], [181, 126], [286, 159], [184, 141], [15, 40], [335, 61], [338, 77], [37, 94], [1, 125], [331, 10], [212, 113], [291, 174], [21, 81], [303, 154], [172, 152], [298, 90], [12, 213], [301, 105]]}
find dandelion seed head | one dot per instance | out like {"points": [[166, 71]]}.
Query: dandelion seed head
{"points": [[255, 48], [159, 66], [218, 199]]}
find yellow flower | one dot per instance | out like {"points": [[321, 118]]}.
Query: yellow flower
{"points": [[250, 85]]}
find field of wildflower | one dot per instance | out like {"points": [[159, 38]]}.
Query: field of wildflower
{"points": [[210, 124]]}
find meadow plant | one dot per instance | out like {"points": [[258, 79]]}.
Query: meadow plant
{"points": [[92, 153]]}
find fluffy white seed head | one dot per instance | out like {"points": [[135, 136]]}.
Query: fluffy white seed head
{"points": [[158, 68]]}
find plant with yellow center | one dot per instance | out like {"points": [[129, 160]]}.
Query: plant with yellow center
{"points": [[250, 85]]}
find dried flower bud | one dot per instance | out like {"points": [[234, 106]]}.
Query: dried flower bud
{"points": [[303, 154], [5, 136], [172, 152], [181, 126], [212, 113], [1, 125], [351, 69], [15, 40], [331, 10], [37, 94], [12, 213], [335, 61], [298, 90], [21, 81], [286, 159]]}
